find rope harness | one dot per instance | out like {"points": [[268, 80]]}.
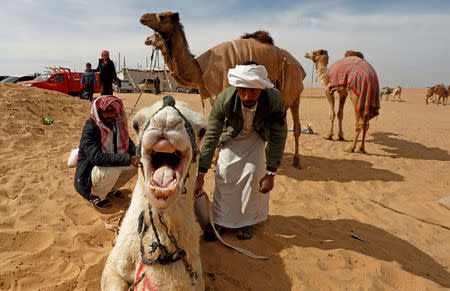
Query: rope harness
{"points": [[165, 257]]}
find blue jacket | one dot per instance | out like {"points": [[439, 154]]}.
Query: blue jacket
{"points": [[83, 78]]}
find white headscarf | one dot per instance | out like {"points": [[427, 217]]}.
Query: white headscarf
{"points": [[250, 76]]}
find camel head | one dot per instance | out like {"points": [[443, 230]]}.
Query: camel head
{"points": [[169, 138], [157, 41], [163, 22], [318, 57]]}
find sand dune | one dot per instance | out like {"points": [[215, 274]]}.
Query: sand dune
{"points": [[342, 222]]}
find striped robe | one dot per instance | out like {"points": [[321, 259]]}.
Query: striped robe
{"points": [[362, 79]]}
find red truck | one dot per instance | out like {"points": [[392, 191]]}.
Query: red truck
{"points": [[62, 80]]}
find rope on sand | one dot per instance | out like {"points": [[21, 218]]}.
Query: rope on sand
{"points": [[403, 213]]}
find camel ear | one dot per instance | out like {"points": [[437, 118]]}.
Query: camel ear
{"points": [[175, 17], [201, 133]]}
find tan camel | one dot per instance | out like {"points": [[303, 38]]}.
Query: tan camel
{"points": [[396, 92], [208, 72], [366, 104]]}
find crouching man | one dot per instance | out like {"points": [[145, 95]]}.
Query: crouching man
{"points": [[107, 156]]}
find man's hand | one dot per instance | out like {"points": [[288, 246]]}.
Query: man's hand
{"points": [[135, 161], [266, 184], [200, 182]]}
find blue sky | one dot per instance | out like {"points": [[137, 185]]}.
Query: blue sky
{"points": [[407, 42]]}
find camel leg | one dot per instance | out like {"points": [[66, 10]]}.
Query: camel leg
{"points": [[330, 98], [358, 127], [340, 114], [297, 131], [365, 128], [426, 99], [112, 281]]}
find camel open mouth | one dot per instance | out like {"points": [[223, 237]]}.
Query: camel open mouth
{"points": [[165, 168]]}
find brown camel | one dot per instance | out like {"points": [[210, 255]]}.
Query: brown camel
{"points": [[365, 96], [208, 72], [430, 94], [385, 91], [441, 92], [437, 92]]}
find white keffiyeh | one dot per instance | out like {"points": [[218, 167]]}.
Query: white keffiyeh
{"points": [[250, 76]]}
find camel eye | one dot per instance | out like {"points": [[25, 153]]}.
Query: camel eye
{"points": [[136, 126]]}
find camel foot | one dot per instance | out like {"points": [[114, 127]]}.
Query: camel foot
{"points": [[341, 138], [349, 150], [329, 137], [296, 163], [362, 150]]}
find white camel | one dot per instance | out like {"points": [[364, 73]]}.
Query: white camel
{"points": [[158, 244]]}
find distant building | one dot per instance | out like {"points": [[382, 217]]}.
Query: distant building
{"points": [[137, 75]]}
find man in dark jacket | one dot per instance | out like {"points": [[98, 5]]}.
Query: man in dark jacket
{"points": [[107, 73], [106, 156]]}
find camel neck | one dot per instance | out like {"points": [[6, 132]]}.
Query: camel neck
{"points": [[183, 64], [322, 74]]}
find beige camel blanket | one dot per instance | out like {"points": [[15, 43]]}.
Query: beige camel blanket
{"points": [[283, 69]]}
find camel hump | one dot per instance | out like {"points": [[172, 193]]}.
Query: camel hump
{"points": [[260, 35], [354, 54]]}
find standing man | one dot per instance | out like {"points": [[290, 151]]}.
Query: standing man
{"points": [[107, 73], [157, 83], [106, 156], [89, 80], [244, 117]]}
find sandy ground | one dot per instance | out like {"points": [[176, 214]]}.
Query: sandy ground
{"points": [[53, 239]]}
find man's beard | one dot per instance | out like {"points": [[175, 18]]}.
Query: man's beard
{"points": [[109, 122]]}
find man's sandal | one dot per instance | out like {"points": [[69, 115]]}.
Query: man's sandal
{"points": [[209, 234], [245, 232], [116, 194], [100, 204]]}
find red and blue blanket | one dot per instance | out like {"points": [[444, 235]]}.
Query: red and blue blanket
{"points": [[362, 79]]}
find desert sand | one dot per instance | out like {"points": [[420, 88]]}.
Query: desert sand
{"points": [[343, 222]]}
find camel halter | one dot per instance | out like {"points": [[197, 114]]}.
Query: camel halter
{"points": [[165, 257]]}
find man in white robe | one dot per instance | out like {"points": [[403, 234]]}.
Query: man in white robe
{"points": [[244, 117]]}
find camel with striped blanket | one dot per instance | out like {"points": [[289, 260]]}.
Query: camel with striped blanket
{"points": [[208, 72], [350, 75]]}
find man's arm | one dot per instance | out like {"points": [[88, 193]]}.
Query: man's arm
{"points": [[132, 148], [82, 80], [215, 127], [95, 79], [278, 134], [91, 144]]}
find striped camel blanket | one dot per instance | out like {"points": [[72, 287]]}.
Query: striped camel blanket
{"points": [[362, 79]]}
